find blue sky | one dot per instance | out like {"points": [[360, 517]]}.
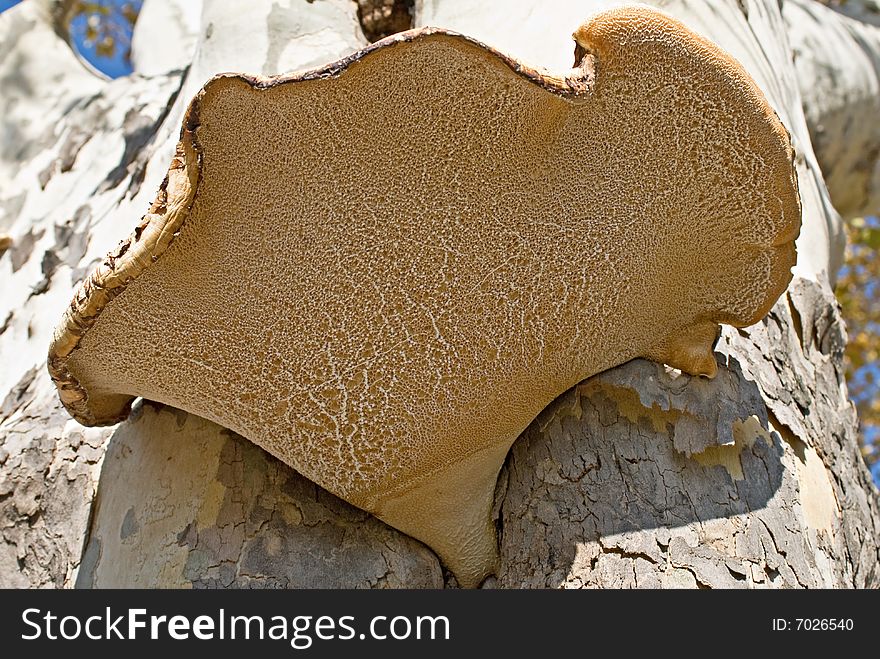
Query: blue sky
{"points": [[113, 66]]}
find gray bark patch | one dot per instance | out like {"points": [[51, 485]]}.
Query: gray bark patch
{"points": [[129, 525]]}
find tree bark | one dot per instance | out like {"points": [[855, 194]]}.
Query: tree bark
{"points": [[637, 477], [644, 477], [837, 59]]}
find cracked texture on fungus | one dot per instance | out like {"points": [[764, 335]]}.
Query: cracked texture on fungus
{"points": [[386, 311]]}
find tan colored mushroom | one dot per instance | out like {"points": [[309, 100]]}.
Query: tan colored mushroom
{"points": [[381, 271]]}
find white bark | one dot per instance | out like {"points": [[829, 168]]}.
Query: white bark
{"points": [[164, 36], [73, 171], [41, 78], [267, 37], [837, 60], [601, 490], [535, 32]]}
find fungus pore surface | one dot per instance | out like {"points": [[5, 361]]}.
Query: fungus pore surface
{"points": [[381, 271]]}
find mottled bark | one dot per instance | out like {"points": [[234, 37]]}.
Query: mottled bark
{"points": [[638, 477], [194, 505], [75, 151], [177, 21], [49, 469], [644, 477]]}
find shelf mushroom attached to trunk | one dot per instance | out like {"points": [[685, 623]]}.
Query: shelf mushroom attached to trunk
{"points": [[382, 270]]}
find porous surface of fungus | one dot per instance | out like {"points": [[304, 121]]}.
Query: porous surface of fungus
{"points": [[381, 271]]}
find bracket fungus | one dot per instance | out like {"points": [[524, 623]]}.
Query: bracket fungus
{"points": [[382, 270]]}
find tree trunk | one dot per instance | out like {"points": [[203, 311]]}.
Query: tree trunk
{"points": [[640, 476], [837, 60]]}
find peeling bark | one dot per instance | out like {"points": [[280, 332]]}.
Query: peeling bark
{"points": [[644, 477], [637, 477]]}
